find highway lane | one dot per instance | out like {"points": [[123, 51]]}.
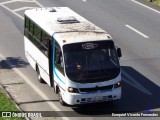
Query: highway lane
{"points": [[139, 62]]}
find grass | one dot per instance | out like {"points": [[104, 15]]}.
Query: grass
{"points": [[6, 104], [155, 2]]}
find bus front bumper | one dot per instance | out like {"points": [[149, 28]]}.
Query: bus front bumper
{"points": [[92, 97]]}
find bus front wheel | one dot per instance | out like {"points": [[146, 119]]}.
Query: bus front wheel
{"points": [[60, 98]]}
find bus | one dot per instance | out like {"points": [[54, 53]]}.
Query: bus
{"points": [[72, 55]]}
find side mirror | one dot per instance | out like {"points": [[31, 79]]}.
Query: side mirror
{"points": [[119, 52]]}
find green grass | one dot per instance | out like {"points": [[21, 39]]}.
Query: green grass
{"points": [[6, 104], [155, 2]]}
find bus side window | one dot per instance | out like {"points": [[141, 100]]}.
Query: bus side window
{"points": [[31, 30], [37, 33], [26, 32], [28, 29], [57, 53], [45, 43], [57, 56], [59, 60], [45, 39]]}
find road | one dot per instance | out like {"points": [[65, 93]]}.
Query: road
{"points": [[134, 27]]}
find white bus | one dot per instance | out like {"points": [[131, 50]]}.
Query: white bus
{"points": [[72, 55]]}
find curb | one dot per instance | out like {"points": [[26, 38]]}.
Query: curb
{"points": [[7, 94], [4, 91]]}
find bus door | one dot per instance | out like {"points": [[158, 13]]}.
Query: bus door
{"points": [[58, 66]]}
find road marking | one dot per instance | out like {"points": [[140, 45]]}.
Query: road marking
{"points": [[38, 3], [84, 0], [135, 30], [13, 12], [11, 1], [18, 9], [22, 8], [146, 6], [134, 83], [2, 3]]}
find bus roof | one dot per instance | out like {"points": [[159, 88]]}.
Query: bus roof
{"points": [[66, 25]]}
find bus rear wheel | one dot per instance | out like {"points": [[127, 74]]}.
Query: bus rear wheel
{"points": [[40, 79]]}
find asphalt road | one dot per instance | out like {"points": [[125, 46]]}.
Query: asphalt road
{"points": [[134, 27]]}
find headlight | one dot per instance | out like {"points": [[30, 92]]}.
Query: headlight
{"points": [[119, 84], [73, 90]]}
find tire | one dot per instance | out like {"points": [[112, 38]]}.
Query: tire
{"points": [[39, 76], [60, 98]]}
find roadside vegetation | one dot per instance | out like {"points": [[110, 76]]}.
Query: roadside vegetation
{"points": [[6, 104], [155, 2]]}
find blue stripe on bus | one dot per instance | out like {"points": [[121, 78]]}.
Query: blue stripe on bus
{"points": [[54, 69], [58, 76]]}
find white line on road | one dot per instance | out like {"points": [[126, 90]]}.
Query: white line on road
{"points": [[11, 1], [22, 8], [13, 12], [18, 9], [84, 0], [38, 3], [146, 6], [6, 2], [135, 30]]}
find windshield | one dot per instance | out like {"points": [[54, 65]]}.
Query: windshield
{"points": [[91, 62]]}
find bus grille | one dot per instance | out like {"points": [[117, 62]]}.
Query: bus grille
{"points": [[92, 100], [109, 87]]}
